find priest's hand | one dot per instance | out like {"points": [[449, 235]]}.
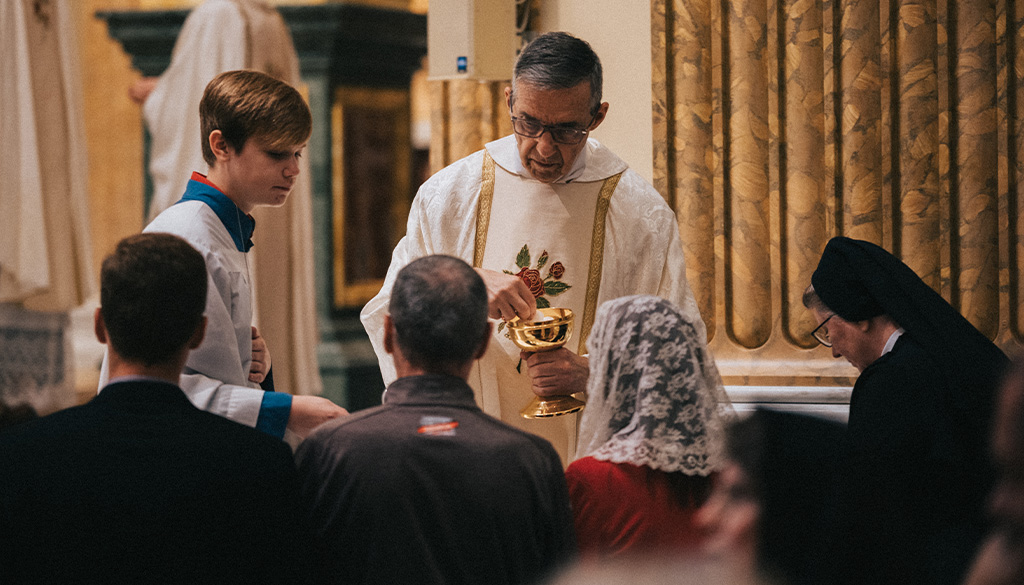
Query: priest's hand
{"points": [[309, 412], [507, 295], [260, 358], [558, 372]]}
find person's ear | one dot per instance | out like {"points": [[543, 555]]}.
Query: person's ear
{"points": [[389, 335], [219, 145], [508, 98], [197, 336], [99, 327], [486, 341], [602, 111]]}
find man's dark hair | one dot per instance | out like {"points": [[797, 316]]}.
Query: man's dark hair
{"points": [[439, 311], [152, 296], [558, 60]]}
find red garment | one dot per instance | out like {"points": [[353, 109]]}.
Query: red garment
{"points": [[620, 508]]}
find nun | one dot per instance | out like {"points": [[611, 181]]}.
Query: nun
{"points": [[916, 458]]}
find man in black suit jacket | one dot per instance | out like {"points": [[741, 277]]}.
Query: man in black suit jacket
{"points": [[139, 485]]}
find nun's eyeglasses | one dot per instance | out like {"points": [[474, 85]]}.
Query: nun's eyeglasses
{"points": [[821, 332]]}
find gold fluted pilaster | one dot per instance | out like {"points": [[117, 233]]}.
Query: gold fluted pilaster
{"points": [[747, 196], [803, 193], [663, 48], [918, 148], [861, 111], [494, 116], [439, 118], [899, 122], [977, 163], [1015, 195], [681, 70], [464, 136], [465, 115]]}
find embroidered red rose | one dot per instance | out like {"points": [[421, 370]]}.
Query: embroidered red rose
{"points": [[541, 288], [533, 280]]}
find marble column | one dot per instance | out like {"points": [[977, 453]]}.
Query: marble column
{"points": [[781, 124]]}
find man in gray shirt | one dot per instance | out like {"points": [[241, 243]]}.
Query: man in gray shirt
{"points": [[427, 488]]}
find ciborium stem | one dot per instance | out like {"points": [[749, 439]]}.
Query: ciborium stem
{"points": [[552, 332]]}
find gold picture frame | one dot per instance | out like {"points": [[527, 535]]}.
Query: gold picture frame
{"points": [[371, 174]]}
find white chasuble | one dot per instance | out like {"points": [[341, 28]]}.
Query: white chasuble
{"points": [[557, 250], [606, 232]]}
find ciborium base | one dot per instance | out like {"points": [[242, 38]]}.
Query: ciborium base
{"points": [[551, 406]]}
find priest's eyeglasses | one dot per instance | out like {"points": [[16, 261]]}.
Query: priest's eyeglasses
{"points": [[560, 134], [821, 332]]}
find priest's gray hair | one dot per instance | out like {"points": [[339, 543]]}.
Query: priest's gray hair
{"points": [[439, 310], [558, 60]]}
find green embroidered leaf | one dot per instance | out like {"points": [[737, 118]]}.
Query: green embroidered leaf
{"points": [[509, 272], [523, 259], [555, 288], [542, 260], [543, 303]]}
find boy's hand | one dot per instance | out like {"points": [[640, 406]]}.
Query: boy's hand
{"points": [[309, 412], [260, 358]]}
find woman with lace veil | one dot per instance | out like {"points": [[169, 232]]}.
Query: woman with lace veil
{"points": [[652, 434]]}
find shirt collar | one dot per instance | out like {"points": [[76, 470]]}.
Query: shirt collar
{"points": [[140, 389], [239, 225], [430, 389], [892, 341], [137, 378]]}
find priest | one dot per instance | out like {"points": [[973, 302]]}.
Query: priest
{"points": [[549, 218]]}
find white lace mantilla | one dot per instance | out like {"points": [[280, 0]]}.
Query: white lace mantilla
{"points": [[35, 361], [654, 397]]}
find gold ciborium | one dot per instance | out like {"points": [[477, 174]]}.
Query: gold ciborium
{"points": [[544, 336]]}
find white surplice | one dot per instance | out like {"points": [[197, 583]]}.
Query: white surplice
{"points": [[225, 35], [641, 254], [216, 377]]}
